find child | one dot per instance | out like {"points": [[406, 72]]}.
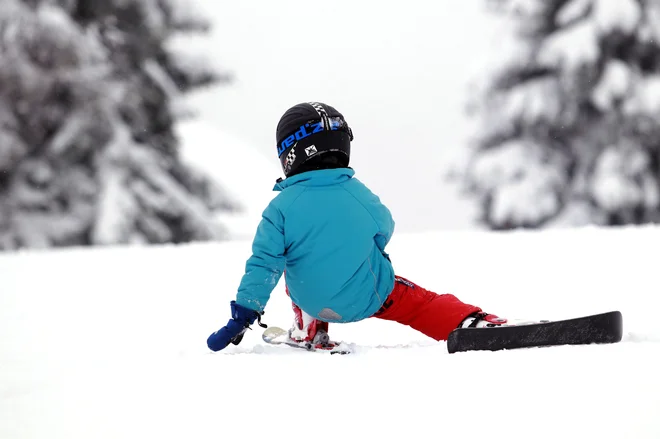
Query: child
{"points": [[328, 231]]}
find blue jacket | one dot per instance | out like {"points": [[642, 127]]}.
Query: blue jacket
{"points": [[329, 232]]}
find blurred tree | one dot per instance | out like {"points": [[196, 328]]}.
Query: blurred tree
{"points": [[568, 128], [88, 98]]}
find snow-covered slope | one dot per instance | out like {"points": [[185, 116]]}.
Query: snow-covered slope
{"points": [[110, 343]]}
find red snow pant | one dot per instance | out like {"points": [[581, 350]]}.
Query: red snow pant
{"points": [[432, 314]]}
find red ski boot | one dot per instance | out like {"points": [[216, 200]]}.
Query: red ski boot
{"points": [[308, 329]]}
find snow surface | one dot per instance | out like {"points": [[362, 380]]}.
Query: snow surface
{"points": [[110, 343]]}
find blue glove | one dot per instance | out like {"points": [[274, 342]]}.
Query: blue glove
{"points": [[241, 319]]}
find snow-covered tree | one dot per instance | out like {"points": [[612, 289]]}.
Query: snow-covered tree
{"points": [[568, 129], [88, 155]]}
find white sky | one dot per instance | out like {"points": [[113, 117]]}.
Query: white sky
{"points": [[396, 70]]}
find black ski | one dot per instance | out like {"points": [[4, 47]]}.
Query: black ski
{"points": [[599, 328]]}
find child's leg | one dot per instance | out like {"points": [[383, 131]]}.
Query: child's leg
{"points": [[435, 315], [305, 327]]}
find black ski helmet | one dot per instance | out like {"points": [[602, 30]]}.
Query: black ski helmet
{"points": [[312, 132]]}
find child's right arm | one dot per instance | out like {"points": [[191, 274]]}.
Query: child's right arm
{"points": [[266, 265], [262, 272]]}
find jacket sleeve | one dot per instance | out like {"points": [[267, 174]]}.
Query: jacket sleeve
{"points": [[380, 213], [264, 268], [385, 224]]}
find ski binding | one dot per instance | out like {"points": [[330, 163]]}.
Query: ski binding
{"points": [[278, 336]]}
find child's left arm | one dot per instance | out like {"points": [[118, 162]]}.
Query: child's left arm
{"points": [[385, 223], [380, 213]]}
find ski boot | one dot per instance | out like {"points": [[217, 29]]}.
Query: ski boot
{"points": [[483, 320], [309, 330]]}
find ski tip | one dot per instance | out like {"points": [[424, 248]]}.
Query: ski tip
{"points": [[271, 334]]}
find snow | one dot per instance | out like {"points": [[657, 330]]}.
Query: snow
{"points": [[116, 209], [621, 15], [648, 30], [573, 10], [623, 179], [522, 180], [541, 95], [646, 99], [578, 44], [110, 343], [572, 48], [608, 15], [614, 85], [530, 101]]}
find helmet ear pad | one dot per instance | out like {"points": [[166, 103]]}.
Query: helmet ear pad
{"points": [[323, 150]]}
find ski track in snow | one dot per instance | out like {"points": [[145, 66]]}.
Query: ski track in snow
{"points": [[110, 343]]}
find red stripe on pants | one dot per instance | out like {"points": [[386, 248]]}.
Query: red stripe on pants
{"points": [[432, 314]]}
